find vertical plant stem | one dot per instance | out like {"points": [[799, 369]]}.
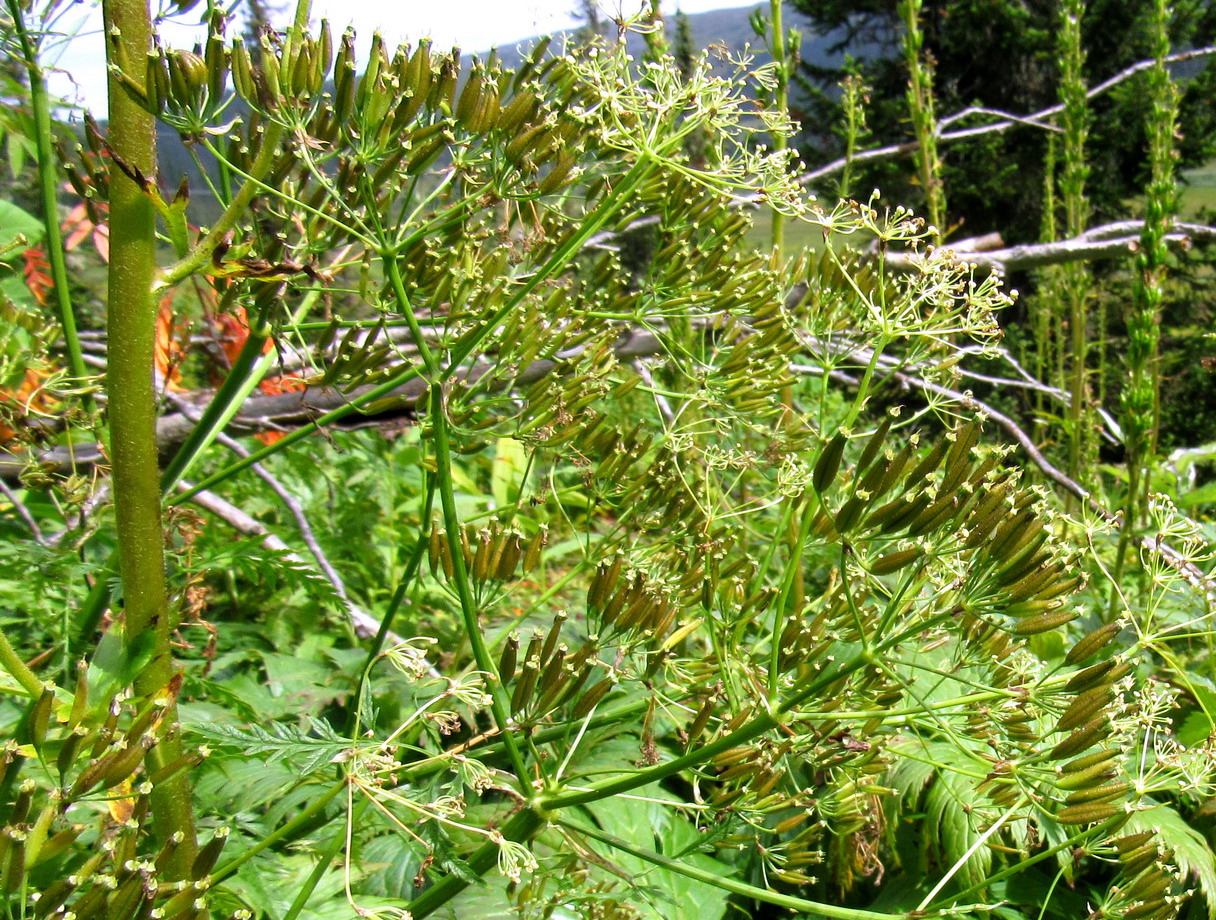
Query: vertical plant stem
{"points": [[924, 117], [464, 589], [48, 184], [132, 417], [854, 96], [781, 101], [781, 58], [11, 664], [1076, 277], [1141, 393]]}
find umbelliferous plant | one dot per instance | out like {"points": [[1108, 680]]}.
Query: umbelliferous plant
{"points": [[595, 609]]}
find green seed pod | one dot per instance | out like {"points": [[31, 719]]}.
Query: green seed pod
{"points": [[127, 762], [525, 686], [1087, 814], [1013, 534], [965, 438], [156, 81], [526, 142], [1034, 586], [376, 61], [215, 53], [269, 64], [551, 638], [1096, 775], [70, 750], [535, 547], [933, 517], [592, 698], [558, 173], [1129, 842], [422, 157], [55, 896], [1136, 861], [39, 717], [875, 443], [1090, 677], [487, 111], [1093, 643], [1062, 587], [324, 51], [1030, 608], [1044, 622], [345, 79], [1082, 765], [481, 558], [893, 562], [443, 90], [1103, 793], [209, 855], [552, 668], [508, 658], [828, 464], [58, 844], [1084, 707], [14, 872], [1025, 560], [929, 463], [516, 113], [125, 900], [242, 73], [185, 762], [511, 549], [1150, 910], [187, 77], [470, 98], [913, 506], [1082, 739]]}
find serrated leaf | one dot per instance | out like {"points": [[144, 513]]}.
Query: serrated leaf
{"points": [[275, 741], [510, 470], [1191, 851]]}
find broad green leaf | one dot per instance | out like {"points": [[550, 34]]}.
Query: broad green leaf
{"points": [[16, 221], [510, 471], [1191, 850]]}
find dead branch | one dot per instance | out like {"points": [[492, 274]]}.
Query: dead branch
{"points": [[1005, 122], [364, 624], [1110, 241]]}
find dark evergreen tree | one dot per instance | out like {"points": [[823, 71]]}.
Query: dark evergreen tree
{"points": [[1001, 54]]}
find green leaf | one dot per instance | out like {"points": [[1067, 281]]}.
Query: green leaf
{"points": [[510, 471], [16, 221], [275, 741], [1191, 851]]}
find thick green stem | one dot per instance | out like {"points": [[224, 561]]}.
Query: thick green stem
{"points": [[48, 183], [17, 669], [1076, 279], [132, 417], [523, 825], [464, 589]]}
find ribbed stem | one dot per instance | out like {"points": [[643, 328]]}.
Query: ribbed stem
{"points": [[132, 416], [48, 188]]}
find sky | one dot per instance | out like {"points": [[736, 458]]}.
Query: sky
{"points": [[473, 25]]}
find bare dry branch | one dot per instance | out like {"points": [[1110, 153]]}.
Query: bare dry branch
{"points": [[1110, 241], [364, 624], [1004, 123]]}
